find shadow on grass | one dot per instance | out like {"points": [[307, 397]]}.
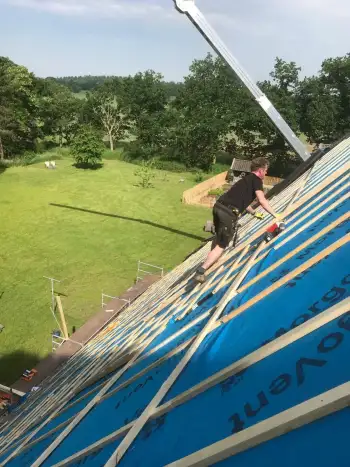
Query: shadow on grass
{"points": [[14, 364], [132, 219], [86, 166]]}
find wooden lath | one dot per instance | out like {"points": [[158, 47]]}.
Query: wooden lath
{"points": [[309, 411], [51, 405], [151, 407], [327, 316]]}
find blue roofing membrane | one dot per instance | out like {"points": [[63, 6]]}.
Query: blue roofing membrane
{"points": [[297, 280]]}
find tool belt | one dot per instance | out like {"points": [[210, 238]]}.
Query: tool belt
{"points": [[228, 208]]}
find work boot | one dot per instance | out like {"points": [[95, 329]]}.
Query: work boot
{"points": [[200, 275]]}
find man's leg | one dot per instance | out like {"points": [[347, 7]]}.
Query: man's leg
{"points": [[213, 256], [224, 228]]}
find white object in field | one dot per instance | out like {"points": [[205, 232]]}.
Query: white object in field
{"points": [[50, 164]]}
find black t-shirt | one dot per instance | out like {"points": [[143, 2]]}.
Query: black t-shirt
{"points": [[242, 193]]}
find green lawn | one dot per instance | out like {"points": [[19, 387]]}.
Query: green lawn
{"points": [[88, 252]]}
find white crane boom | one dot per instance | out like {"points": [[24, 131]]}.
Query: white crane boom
{"points": [[198, 19]]}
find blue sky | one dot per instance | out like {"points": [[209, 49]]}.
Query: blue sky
{"points": [[121, 37]]}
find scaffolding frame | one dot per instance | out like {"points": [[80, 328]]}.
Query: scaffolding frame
{"points": [[149, 270]]}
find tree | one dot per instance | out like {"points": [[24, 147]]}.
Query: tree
{"points": [[145, 98], [217, 111], [59, 110], [324, 102], [318, 111], [154, 135], [206, 107], [78, 84], [188, 122], [144, 94], [172, 89], [87, 147], [335, 74], [7, 127], [113, 120], [18, 125], [256, 134], [107, 113]]}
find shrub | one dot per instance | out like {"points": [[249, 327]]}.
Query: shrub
{"points": [[7, 163], [145, 173], [170, 166], [28, 158], [137, 150], [198, 177], [219, 168], [87, 148]]}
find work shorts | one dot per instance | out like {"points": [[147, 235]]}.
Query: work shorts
{"points": [[225, 225]]}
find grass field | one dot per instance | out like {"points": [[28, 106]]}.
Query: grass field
{"points": [[42, 234]]}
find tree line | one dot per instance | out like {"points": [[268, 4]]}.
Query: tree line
{"points": [[187, 123], [78, 84]]}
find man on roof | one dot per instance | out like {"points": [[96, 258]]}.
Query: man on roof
{"points": [[230, 206]]}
